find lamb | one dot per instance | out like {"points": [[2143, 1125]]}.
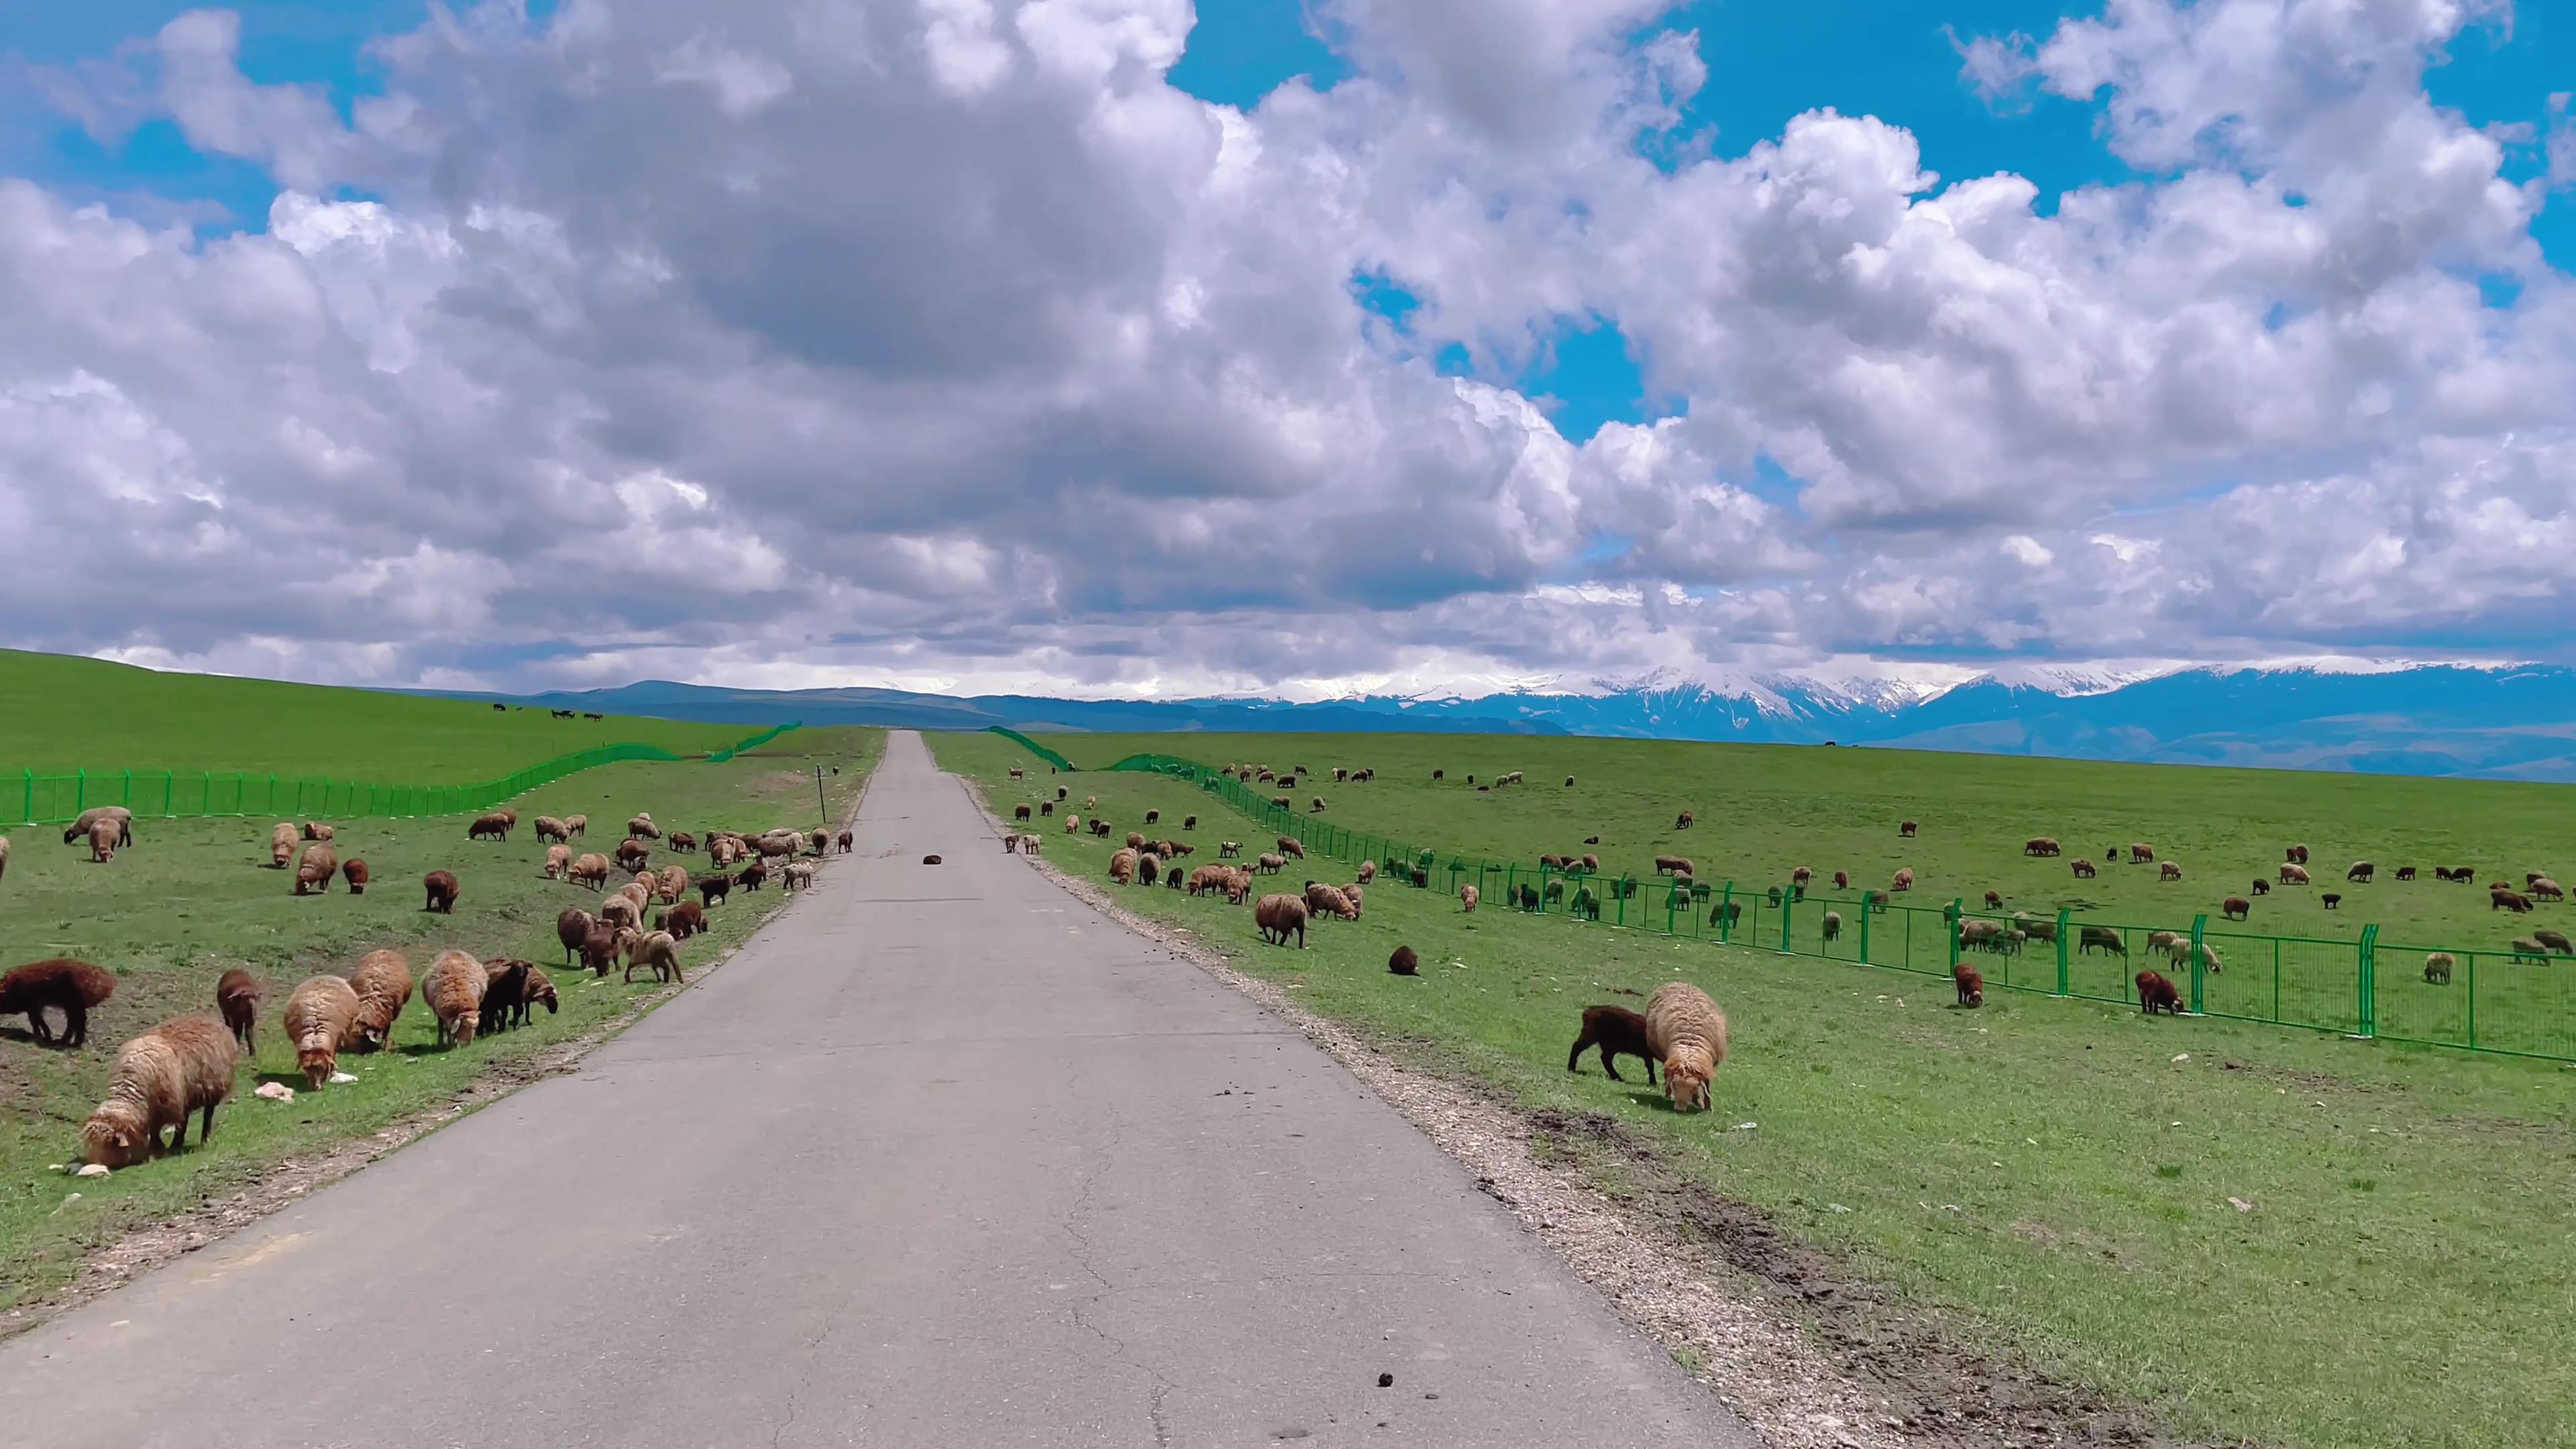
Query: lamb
{"points": [[684, 920], [558, 861], [847, 841], [354, 871], [1994, 900], [1674, 865], [1279, 916], [1403, 962], [1686, 1030], [2361, 871], [2155, 993], [643, 825], [599, 949], [658, 951], [800, 874], [1618, 1032], [1905, 829], [316, 830], [505, 996], [441, 888], [102, 841], [1972, 987], [453, 991], [2295, 855], [2235, 908], [1368, 871], [539, 988], [69, 986], [281, 845], [752, 876], [1467, 899], [2437, 968], [321, 1019], [2330, 900], [572, 927], [549, 828], [83, 828], [383, 984], [180, 1068], [1290, 846], [1833, 925], [1682, 821], [314, 872], [2293, 874], [591, 870], [1269, 864], [577, 825], [1903, 880], [494, 824], [2260, 886]]}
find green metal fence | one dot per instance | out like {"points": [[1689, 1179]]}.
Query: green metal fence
{"points": [[744, 747], [2479, 1000], [53, 799], [1043, 753]]}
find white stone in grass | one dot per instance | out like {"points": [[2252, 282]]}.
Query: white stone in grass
{"points": [[92, 1169], [2182, 1056], [275, 1092], [2240, 1204], [337, 1078]]}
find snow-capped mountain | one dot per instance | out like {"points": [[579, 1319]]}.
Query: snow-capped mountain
{"points": [[2516, 721]]}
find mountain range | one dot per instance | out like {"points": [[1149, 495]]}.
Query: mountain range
{"points": [[2515, 722]]}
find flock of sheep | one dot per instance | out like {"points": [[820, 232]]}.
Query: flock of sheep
{"points": [[186, 1066]]}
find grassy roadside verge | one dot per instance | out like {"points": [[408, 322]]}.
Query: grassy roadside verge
{"points": [[2053, 1182], [193, 898]]}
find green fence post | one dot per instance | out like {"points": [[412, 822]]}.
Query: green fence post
{"points": [[1788, 903], [31, 795], [1951, 916], [1864, 929], [1726, 914], [80, 790], [2473, 1000], [127, 800], [2064, 924], [2199, 958], [2370, 981], [167, 777]]}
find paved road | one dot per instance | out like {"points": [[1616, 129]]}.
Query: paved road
{"points": [[942, 1158]]}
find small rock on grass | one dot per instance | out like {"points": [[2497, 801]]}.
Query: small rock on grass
{"points": [[91, 1169], [275, 1092]]}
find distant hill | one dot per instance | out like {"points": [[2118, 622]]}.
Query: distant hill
{"points": [[2506, 723]]}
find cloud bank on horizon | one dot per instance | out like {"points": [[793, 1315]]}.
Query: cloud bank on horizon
{"points": [[948, 344]]}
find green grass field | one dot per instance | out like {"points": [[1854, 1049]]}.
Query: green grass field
{"points": [[193, 898], [68, 713], [2046, 1179]]}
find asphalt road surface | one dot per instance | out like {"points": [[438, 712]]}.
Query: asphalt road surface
{"points": [[943, 1157]]}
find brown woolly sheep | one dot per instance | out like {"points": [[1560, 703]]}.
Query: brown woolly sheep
{"points": [[1291, 847], [2525, 949], [558, 861], [1208, 878], [539, 989], [316, 830], [237, 1001], [571, 928], [2405, 872], [684, 920], [1842, 880], [659, 952], [2083, 868], [713, 889], [2546, 889], [621, 910], [1323, 900], [2041, 845], [752, 876], [2260, 887], [2330, 900], [1368, 871], [1618, 1032], [2169, 871], [496, 825], [1072, 824], [631, 854], [1903, 880], [599, 949], [2296, 855], [1277, 917], [1122, 867], [800, 874], [591, 870], [2361, 871], [281, 845], [2437, 968], [2156, 993], [2500, 899], [1682, 821], [1673, 865], [453, 992], [72, 987], [1972, 987], [1229, 849], [1994, 900], [180, 1068], [314, 872], [84, 828], [2555, 940], [1135, 840], [441, 888], [549, 828], [1466, 899], [383, 983], [1687, 1032], [354, 871], [321, 1019], [1269, 864], [2235, 908], [1316, 807], [102, 841], [672, 884], [847, 841], [822, 841], [643, 825], [1403, 962], [683, 841], [505, 996], [577, 825], [1906, 828], [1189, 822]]}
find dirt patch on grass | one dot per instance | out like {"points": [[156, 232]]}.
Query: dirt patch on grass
{"points": [[1807, 1354]]}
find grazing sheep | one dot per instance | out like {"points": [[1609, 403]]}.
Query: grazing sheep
{"points": [[1291, 847], [1278, 916], [2405, 872], [1972, 987], [621, 910], [1903, 880], [2142, 855], [1149, 867], [102, 841], [1674, 865], [2555, 941], [1368, 871], [2361, 871], [2209, 956], [2293, 874], [631, 854], [1019, 812], [2169, 942], [1403, 962], [683, 841], [572, 927], [2295, 855], [1208, 878], [538, 989], [2155, 992], [1316, 807], [1323, 900], [84, 827], [1994, 900], [643, 825], [314, 872], [354, 871], [2104, 938], [2037, 928], [441, 888], [1874, 900], [599, 949], [383, 984], [1686, 1030], [505, 996], [1682, 821], [591, 870], [2083, 868], [2169, 871], [1833, 925], [316, 830], [1618, 1032], [1436, 774], [549, 828], [1153, 817], [2437, 968], [2547, 890], [1122, 867], [2235, 908], [1981, 935], [495, 825], [2528, 951], [1467, 898], [2331, 900], [1135, 840], [800, 874], [2261, 887], [674, 882], [2041, 845], [281, 845], [577, 825], [684, 920], [558, 861], [322, 1021], [237, 1002], [1906, 829], [1842, 880], [453, 992], [1189, 822], [2500, 899], [180, 1068], [72, 987]]}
